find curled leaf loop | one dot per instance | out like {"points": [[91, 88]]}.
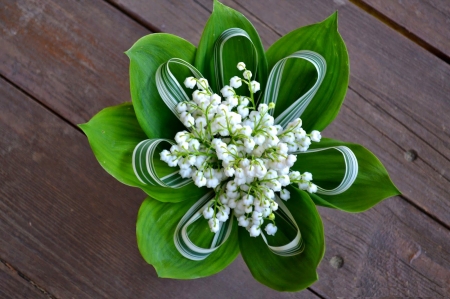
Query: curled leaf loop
{"points": [[181, 238]]}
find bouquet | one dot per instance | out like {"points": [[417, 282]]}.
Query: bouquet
{"points": [[225, 141]]}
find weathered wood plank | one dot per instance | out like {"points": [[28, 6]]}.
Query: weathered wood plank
{"points": [[126, 193], [70, 227], [71, 231], [183, 18], [429, 20], [69, 54], [13, 286]]}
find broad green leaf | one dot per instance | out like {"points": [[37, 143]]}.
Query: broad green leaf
{"points": [[146, 55], [113, 134], [371, 186], [236, 49], [155, 229], [299, 75], [292, 273]]}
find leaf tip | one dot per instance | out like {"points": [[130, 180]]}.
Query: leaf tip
{"points": [[332, 20]]}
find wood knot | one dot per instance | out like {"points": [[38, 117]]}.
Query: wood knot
{"points": [[336, 262], [410, 155]]}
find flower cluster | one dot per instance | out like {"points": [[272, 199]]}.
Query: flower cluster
{"points": [[234, 147]]}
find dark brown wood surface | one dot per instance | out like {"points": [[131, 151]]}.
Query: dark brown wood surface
{"points": [[68, 228]]}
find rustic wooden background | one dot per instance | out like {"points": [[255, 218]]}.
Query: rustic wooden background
{"points": [[67, 229]]}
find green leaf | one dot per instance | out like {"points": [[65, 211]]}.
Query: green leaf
{"points": [[155, 229], [113, 134], [371, 186], [299, 75], [146, 55], [236, 49], [292, 273]]}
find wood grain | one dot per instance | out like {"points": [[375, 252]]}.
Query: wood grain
{"points": [[428, 20], [72, 230], [70, 227], [68, 54], [13, 286]]}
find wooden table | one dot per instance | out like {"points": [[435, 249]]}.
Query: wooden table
{"points": [[67, 229]]}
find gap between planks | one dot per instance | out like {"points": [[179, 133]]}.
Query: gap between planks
{"points": [[400, 29], [27, 279]]}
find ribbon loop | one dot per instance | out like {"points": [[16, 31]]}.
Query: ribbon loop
{"points": [[296, 109], [181, 238], [351, 169], [168, 86], [218, 52], [145, 170], [296, 246]]}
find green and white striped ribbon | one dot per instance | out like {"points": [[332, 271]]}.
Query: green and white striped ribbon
{"points": [[351, 169], [145, 170], [168, 86], [273, 86], [218, 53], [296, 246], [181, 238]]}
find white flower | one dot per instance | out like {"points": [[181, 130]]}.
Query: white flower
{"points": [[190, 82], [315, 136], [202, 84], [307, 176], [285, 194], [235, 82], [214, 225], [255, 231], [227, 91], [255, 86], [271, 229], [312, 188], [222, 216], [247, 74], [241, 66], [208, 213]]}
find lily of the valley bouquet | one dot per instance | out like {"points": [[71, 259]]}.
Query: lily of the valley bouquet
{"points": [[225, 140]]}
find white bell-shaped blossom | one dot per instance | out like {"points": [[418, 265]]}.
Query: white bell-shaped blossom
{"points": [[190, 82], [235, 82], [315, 136], [241, 66], [271, 229]]}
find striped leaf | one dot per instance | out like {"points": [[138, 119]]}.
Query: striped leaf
{"points": [[181, 237], [168, 86], [236, 46], [322, 38], [296, 246], [146, 56], [297, 108], [293, 272], [351, 169], [155, 227], [113, 134], [352, 166], [219, 57], [146, 171]]}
